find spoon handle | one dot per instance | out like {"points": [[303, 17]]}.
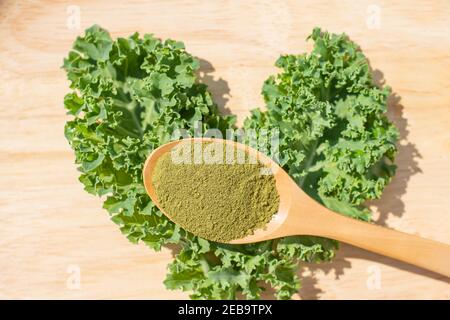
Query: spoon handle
{"points": [[425, 253]]}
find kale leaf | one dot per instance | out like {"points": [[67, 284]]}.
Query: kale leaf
{"points": [[129, 96]]}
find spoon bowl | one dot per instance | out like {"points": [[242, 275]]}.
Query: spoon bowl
{"points": [[279, 174], [299, 214]]}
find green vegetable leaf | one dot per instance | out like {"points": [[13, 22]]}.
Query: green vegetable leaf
{"points": [[130, 95]]}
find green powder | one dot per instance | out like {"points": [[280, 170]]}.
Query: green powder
{"points": [[216, 193]]}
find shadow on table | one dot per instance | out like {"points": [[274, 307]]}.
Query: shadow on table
{"points": [[340, 263], [219, 88]]}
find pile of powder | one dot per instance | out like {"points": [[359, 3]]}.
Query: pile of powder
{"points": [[212, 194]]}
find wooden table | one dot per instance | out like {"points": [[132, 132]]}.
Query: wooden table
{"points": [[53, 234]]}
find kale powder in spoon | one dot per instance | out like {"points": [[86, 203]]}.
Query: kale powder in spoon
{"points": [[214, 190]]}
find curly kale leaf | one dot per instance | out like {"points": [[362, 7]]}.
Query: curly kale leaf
{"points": [[130, 95], [335, 139]]}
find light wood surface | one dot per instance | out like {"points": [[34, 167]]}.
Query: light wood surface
{"points": [[51, 230]]}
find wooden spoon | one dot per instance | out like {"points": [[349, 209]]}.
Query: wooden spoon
{"points": [[298, 214]]}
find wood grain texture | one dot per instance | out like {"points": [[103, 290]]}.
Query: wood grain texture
{"points": [[49, 226]]}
